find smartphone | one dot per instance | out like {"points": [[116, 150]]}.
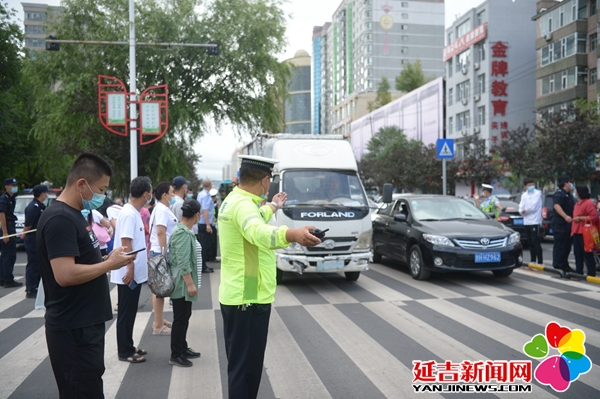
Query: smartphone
{"points": [[133, 285], [135, 252]]}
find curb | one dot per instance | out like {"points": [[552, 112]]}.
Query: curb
{"points": [[574, 276]]}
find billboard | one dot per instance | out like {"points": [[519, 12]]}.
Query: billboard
{"points": [[420, 115]]}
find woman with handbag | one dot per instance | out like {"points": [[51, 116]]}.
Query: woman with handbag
{"points": [[584, 212], [101, 227], [162, 223], [186, 255]]}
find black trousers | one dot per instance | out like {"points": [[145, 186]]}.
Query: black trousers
{"points": [[205, 241], [212, 253], [561, 250], [127, 311], [581, 255], [182, 311], [77, 358], [8, 257], [32, 271], [535, 245], [245, 342]]}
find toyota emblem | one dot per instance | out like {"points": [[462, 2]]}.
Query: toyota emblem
{"points": [[329, 244], [485, 241]]}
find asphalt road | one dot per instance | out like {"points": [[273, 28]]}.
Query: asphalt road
{"points": [[330, 338]]}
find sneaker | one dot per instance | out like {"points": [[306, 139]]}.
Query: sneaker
{"points": [[207, 270], [13, 284], [180, 361], [190, 353], [31, 295]]}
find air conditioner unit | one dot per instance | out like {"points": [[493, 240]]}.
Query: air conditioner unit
{"points": [[476, 65], [464, 70], [477, 97], [548, 37], [463, 132], [476, 129], [465, 101]]}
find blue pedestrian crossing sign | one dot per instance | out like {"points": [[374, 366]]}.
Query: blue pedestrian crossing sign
{"points": [[445, 148]]}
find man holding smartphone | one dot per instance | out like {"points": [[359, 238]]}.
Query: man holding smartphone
{"points": [[129, 233]]}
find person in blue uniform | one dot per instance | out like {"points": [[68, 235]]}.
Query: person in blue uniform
{"points": [[8, 245], [32, 216], [561, 224]]}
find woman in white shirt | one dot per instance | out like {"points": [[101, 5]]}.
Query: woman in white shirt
{"points": [[162, 223]]}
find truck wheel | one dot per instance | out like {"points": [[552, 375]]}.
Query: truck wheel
{"points": [[376, 256], [417, 268], [279, 276], [352, 276], [502, 273]]}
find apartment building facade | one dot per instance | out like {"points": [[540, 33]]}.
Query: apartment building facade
{"points": [[36, 17], [297, 108]]}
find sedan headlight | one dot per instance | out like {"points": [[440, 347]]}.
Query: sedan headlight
{"points": [[364, 240], [438, 240], [514, 238]]}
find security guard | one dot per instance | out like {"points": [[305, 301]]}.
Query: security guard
{"points": [[490, 203], [248, 271], [32, 215], [561, 224], [8, 245]]}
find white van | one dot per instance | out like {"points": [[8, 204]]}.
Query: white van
{"points": [[21, 203]]}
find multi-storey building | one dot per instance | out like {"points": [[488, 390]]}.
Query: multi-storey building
{"points": [[490, 71], [321, 80], [35, 21], [297, 109], [566, 65], [368, 40]]}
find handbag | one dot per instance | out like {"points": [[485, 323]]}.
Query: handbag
{"points": [[101, 233], [591, 239], [160, 279]]}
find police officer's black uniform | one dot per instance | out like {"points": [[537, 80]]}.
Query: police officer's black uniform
{"points": [[32, 271], [8, 255], [562, 230]]}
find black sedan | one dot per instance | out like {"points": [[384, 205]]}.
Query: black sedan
{"points": [[442, 234]]}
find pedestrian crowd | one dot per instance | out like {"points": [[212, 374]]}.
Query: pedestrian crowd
{"points": [[83, 237]]}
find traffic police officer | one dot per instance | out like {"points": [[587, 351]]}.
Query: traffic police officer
{"points": [[561, 224], [8, 245], [490, 203], [32, 215], [248, 271]]}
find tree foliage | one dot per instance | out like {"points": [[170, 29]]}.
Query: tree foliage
{"points": [[412, 77], [519, 155], [242, 86], [383, 95], [475, 163]]}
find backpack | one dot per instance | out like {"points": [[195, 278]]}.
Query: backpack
{"points": [[160, 279]]}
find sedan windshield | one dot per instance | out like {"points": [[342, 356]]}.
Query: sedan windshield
{"points": [[429, 209], [317, 187]]}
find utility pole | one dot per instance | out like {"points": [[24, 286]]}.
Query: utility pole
{"points": [[133, 158]]}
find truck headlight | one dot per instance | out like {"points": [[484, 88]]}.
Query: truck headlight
{"points": [[364, 240], [514, 238], [438, 240], [294, 246]]}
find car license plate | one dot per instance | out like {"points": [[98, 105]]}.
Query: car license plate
{"points": [[330, 264], [518, 221], [488, 257]]}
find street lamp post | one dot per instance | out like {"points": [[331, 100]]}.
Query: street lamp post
{"points": [[133, 158]]}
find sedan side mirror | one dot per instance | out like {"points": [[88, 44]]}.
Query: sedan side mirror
{"points": [[387, 193], [400, 217]]}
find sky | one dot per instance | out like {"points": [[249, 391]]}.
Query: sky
{"points": [[216, 148]]}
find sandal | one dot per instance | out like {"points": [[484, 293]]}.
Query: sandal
{"points": [[167, 323], [140, 352], [135, 358], [163, 331]]}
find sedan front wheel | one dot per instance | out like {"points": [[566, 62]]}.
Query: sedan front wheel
{"points": [[417, 268]]}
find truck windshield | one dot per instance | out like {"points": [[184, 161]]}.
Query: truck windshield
{"points": [[315, 187]]}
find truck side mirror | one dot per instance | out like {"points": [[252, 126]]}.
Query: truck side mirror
{"points": [[273, 189], [387, 193]]}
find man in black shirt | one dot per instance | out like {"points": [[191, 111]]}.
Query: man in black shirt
{"points": [[32, 216], [561, 224], [75, 284], [8, 245]]}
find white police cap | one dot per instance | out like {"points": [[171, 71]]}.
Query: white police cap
{"points": [[256, 162]]}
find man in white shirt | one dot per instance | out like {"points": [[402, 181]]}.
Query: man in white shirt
{"points": [[130, 234], [531, 209], [180, 186]]}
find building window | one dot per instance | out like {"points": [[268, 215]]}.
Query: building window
{"points": [[405, 4], [368, 25], [481, 116], [404, 38], [449, 37], [369, 61], [35, 29], [463, 121], [593, 40], [481, 83], [404, 16], [450, 94], [592, 7], [582, 11], [369, 48], [582, 76], [449, 67], [563, 80], [463, 60], [35, 16], [480, 17], [593, 75], [404, 50], [403, 62], [480, 51], [450, 127], [462, 90], [463, 28], [565, 47], [404, 27], [370, 85], [551, 84]]}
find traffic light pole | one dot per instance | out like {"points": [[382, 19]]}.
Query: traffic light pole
{"points": [[133, 158]]}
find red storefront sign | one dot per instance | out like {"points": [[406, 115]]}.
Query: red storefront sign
{"points": [[499, 89], [464, 42]]}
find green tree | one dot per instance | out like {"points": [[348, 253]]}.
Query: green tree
{"points": [[519, 156], [475, 164], [243, 86], [383, 95], [412, 77]]}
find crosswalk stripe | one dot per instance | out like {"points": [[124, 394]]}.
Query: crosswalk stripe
{"points": [[21, 365], [365, 352], [290, 373], [284, 297], [203, 379], [5, 323], [10, 300], [382, 291], [329, 291]]}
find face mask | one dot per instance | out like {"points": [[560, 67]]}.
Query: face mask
{"points": [[85, 213], [266, 191], [96, 202], [531, 189], [572, 187], [190, 196], [14, 190], [172, 201], [574, 195], [149, 201]]}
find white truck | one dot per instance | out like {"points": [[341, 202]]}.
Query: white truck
{"points": [[320, 176]]}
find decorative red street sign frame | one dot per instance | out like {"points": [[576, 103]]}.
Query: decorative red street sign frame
{"points": [[104, 89], [150, 95]]}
